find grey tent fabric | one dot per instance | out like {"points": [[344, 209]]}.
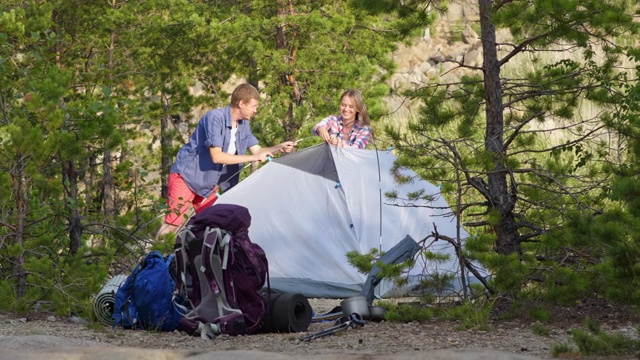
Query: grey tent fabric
{"points": [[312, 207], [402, 251], [315, 160]]}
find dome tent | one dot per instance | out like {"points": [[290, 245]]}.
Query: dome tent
{"points": [[311, 207]]}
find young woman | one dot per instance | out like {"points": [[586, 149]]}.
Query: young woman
{"points": [[349, 129]]}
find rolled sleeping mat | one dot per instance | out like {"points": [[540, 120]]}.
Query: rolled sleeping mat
{"points": [[288, 313], [104, 302]]}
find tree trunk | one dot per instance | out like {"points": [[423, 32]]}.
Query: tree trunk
{"points": [[93, 189], [289, 124], [497, 188], [70, 181], [165, 145], [18, 190], [107, 175], [108, 186]]}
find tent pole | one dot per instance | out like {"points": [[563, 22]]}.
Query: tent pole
{"points": [[379, 196]]}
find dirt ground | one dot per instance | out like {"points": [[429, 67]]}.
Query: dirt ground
{"points": [[514, 335]]}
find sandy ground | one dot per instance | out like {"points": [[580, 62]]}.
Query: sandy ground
{"points": [[374, 338]]}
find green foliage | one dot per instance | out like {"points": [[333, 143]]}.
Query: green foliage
{"points": [[68, 102], [8, 298], [437, 283], [410, 15], [530, 167], [510, 274], [560, 349], [539, 314], [565, 286], [599, 257], [403, 313], [365, 262], [471, 314], [539, 329], [67, 283], [285, 51], [595, 341]]}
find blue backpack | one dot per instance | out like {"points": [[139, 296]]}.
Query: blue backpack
{"points": [[146, 299]]}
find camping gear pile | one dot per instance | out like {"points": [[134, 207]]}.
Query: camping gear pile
{"points": [[213, 284]]}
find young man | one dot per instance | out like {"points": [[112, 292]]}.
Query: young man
{"points": [[213, 157]]}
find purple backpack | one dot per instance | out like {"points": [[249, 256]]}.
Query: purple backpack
{"points": [[221, 273]]}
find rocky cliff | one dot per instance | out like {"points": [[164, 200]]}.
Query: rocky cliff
{"points": [[451, 41]]}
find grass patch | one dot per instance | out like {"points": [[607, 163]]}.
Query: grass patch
{"points": [[408, 313], [562, 349], [539, 329], [604, 344], [472, 314]]}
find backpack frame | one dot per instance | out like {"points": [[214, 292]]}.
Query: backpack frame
{"points": [[221, 272]]}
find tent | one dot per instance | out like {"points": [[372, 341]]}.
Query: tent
{"points": [[311, 207]]}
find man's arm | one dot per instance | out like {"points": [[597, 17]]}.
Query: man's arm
{"points": [[285, 147], [220, 157]]}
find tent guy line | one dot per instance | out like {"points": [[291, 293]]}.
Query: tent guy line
{"points": [[269, 158]]}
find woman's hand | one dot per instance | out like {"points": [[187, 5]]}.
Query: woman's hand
{"points": [[334, 140], [331, 139], [324, 134]]}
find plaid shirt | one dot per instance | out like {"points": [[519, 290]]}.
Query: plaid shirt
{"points": [[358, 137]]}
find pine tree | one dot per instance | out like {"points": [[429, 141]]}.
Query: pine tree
{"points": [[513, 140], [88, 88], [303, 55]]}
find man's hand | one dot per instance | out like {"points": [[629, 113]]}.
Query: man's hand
{"points": [[287, 146], [262, 156]]}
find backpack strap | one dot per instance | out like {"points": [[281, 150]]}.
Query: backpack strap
{"points": [[185, 287], [213, 265], [179, 295], [179, 252], [125, 313], [224, 242]]}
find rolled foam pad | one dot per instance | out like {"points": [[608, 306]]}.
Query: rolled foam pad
{"points": [[105, 301], [287, 313]]}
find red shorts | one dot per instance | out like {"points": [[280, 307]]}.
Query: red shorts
{"points": [[179, 197]]}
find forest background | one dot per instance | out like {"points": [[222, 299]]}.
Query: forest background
{"points": [[531, 126]]}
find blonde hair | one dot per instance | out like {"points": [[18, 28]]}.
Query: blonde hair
{"points": [[244, 93], [361, 109]]}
